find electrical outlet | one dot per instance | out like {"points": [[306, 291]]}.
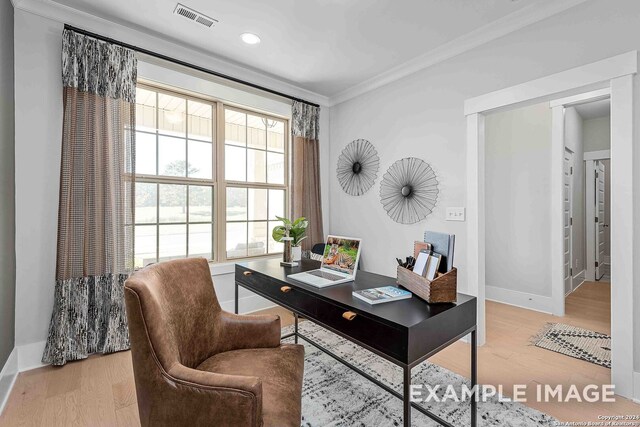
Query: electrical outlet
{"points": [[455, 214]]}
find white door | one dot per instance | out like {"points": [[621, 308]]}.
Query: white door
{"points": [[600, 220], [567, 202]]}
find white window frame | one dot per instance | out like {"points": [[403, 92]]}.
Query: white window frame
{"points": [[218, 182]]}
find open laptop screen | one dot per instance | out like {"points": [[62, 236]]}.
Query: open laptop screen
{"points": [[341, 254]]}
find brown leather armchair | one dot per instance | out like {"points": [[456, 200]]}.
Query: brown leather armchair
{"points": [[195, 364]]}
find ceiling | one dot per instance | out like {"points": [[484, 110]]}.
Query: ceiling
{"points": [[595, 109], [325, 46]]}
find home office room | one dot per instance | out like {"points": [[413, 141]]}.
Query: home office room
{"points": [[319, 213]]}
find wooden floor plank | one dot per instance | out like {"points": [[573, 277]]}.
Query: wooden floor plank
{"points": [[100, 390]]}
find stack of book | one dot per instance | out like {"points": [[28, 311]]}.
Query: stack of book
{"points": [[434, 255]]}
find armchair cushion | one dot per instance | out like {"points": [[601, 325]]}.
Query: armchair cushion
{"points": [[248, 331], [280, 369]]}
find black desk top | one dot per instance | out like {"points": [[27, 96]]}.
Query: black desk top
{"points": [[406, 313]]}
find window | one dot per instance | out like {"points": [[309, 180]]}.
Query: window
{"points": [[196, 196]]}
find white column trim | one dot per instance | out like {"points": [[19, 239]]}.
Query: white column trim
{"points": [[622, 229], [557, 212], [475, 218]]}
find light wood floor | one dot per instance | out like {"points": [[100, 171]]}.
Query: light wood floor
{"points": [[100, 390]]}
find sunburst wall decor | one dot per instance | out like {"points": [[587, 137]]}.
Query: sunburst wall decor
{"points": [[409, 190], [358, 166]]}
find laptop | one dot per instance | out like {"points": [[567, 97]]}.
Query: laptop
{"points": [[339, 263]]}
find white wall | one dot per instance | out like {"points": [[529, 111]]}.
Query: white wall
{"points": [[38, 93], [38, 122], [422, 115], [574, 140], [597, 134], [7, 203], [517, 187]]}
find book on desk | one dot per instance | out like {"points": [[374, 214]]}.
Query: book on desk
{"points": [[382, 294]]}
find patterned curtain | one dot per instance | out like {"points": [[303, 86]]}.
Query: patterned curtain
{"points": [[95, 216], [305, 179]]}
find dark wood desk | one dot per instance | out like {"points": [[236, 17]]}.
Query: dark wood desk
{"points": [[404, 332]]}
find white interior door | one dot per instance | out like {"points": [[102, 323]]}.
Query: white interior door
{"points": [[567, 209], [600, 217]]}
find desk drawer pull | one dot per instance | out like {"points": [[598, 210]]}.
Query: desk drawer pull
{"points": [[247, 273], [349, 315], [285, 289]]}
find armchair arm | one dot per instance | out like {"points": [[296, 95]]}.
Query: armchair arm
{"points": [[249, 331], [205, 397]]}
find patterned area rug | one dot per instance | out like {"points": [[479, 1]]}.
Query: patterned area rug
{"points": [[333, 395], [576, 342]]}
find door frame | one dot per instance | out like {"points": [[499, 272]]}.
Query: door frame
{"points": [[616, 74]]}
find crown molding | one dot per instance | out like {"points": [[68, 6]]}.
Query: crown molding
{"points": [[508, 24], [159, 43]]}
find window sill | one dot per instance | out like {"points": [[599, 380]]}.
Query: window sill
{"points": [[228, 267]]}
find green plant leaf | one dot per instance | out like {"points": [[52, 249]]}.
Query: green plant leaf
{"points": [[286, 221], [279, 231], [299, 220], [296, 229]]}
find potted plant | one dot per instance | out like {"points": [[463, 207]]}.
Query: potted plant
{"points": [[296, 230]]}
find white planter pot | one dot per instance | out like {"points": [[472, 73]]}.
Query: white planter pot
{"points": [[296, 253]]}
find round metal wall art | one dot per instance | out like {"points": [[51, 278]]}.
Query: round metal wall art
{"points": [[358, 166], [409, 190]]}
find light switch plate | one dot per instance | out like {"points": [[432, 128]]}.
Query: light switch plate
{"points": [[455, 214]]}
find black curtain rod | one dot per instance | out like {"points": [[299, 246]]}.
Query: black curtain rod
{"points": [[185, 64]]}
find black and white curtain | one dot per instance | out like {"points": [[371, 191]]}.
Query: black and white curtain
{"points": [[96, 211]]}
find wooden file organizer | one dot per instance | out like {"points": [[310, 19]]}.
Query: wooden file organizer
{"points": [[440, 290]]}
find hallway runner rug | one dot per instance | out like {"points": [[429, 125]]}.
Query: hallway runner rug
{"points": [[334, 395], [573, 341]]}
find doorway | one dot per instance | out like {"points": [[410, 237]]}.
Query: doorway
{"points": [[614, 76], [586, 189], [598, 209]]}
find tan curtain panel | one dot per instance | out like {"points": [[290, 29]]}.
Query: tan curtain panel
{"points": [[305, 176], [96, 210]]}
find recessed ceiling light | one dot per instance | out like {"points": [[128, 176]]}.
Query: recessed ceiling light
{"points": [[250, 38]]}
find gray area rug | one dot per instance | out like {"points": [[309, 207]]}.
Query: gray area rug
{"points": [[333, 395], [573, 341]]}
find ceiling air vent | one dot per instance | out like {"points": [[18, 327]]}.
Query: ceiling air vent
{"points": [[193, 15]]}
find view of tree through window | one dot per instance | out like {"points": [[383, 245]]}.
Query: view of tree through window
{"points": [[178, 178]]}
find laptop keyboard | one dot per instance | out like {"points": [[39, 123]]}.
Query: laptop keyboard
{"points": [[325, 275]]}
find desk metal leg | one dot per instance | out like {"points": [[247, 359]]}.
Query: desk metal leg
{"points": [[236, 300], [295, 316], [474, 378], [407, 396]]}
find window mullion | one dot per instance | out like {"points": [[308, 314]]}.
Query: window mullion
{"points": [[217, 185]]}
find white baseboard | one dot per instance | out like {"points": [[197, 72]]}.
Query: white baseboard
{"points": [[247, 304], [30, 356], [8, 377], [518, 299], [636, 387]]}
